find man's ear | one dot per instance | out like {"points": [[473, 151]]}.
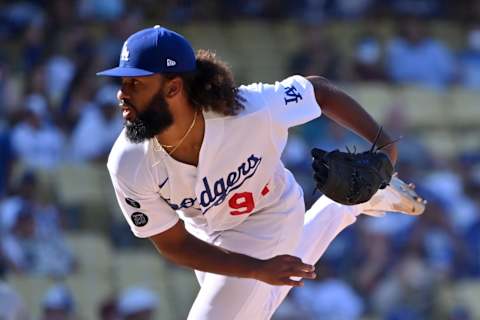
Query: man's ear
{"points": [[173, 87]]}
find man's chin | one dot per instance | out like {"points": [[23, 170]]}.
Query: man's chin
{"points": [[135, 133], [135, 139], [138, 134]]}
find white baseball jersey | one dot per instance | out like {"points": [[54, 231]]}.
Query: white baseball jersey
{"points": [[239, 171]]}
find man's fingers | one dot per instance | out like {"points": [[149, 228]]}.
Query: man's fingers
{"points": [[296, 261], [308, 275], [307, 267], [302, 271], [293, 283], [300, 266], [303, 274], [290, 270]]}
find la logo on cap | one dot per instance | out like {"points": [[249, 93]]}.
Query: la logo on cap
{"points": [[151, 51], [125, 53]]}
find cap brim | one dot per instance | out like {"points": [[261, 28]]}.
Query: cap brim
{"points": [[125, 72]]}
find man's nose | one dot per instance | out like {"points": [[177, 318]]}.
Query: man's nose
{"points": [[121, 95]]}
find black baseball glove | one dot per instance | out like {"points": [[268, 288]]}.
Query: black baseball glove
{"points": [[351, 178]]}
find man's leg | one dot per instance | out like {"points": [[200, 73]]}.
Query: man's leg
{"points": [[326, 219], [222, 297], [323, 222], [263, 235]]}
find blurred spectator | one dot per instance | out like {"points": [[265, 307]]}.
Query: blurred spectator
{"points": [[473, 242], [318, 56], [337, 137], [12, 306], [183, 11], [294, 159], [100, 10], [37, 143], [291, 309], [6, 159], [460, 313], [412, 152], [407, 291], [34, 47], [101, 119], [313, 12], [9, 91], [373, 256], [32, 238], [278, 9], [138, 303], [17, 245], [60, 66], [348, 9], [18, 15], [118, 30], [394, 226], [58, 303], [108, 310], [469, 60], [420, 8], [368, 63], [444, 251], [329, 297], [414, 58], [59, 71], [446, 184]]}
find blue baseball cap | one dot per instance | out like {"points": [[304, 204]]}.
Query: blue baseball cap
{"points": [[153, 50]]}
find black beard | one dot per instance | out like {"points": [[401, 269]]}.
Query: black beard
{"points": [[155, 119]]}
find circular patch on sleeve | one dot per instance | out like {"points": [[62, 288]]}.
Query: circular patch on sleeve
{"points": [[132, 203], [139, 219]]}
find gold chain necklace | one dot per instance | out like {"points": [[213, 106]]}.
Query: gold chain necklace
{"points": [[175, 147]]}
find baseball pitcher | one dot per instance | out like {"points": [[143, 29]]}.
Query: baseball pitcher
{"points": [[197, 170]]}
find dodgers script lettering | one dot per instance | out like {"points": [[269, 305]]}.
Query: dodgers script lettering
{"points": [[216, 193], [213, 196]]}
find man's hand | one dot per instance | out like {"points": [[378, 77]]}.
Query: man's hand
{"points": [[179, 246], [279, 269]]}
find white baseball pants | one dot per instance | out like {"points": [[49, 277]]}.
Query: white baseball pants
{"points": [[263, 235]]}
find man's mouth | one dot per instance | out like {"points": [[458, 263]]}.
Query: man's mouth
{"points": [[127, 110]]}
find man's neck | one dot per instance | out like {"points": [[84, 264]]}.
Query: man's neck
{"points": [[189, 149]]}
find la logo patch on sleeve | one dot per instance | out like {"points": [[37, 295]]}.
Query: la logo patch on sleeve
{"points": [[139, 219]]}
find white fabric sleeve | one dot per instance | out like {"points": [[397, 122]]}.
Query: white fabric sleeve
{"points": [[145, 211], [291, 102]]}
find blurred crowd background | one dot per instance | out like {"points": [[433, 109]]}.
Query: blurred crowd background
{"points": [[67, 253]]}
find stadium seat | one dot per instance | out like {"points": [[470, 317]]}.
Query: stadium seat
{"points": [[467, 140], [423, 107], [449, 32], [376, 98], [87, 188], [467, 293], [184, 289], [259, 50], [89, 290], [92, 251], [144, 268], [440, 142], [31, 288], [464, 108], [80, 183]]}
